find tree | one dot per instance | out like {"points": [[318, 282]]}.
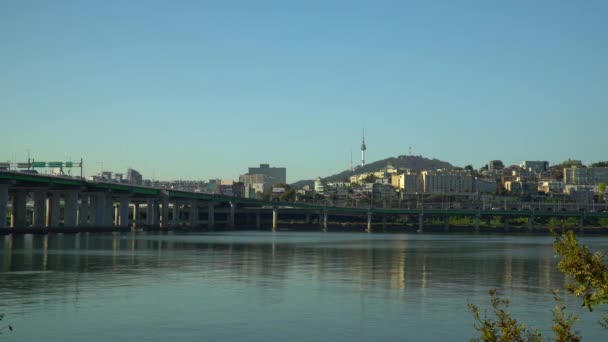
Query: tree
{"points": [[602, 187], [371, 178], [289, 195], [589, 272], [506, 328], [600, 164]]}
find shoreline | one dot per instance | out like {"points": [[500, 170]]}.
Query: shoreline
{"points": [[311, 228]]}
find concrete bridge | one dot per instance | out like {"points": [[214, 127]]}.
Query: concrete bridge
{"points": [[47, 202]]}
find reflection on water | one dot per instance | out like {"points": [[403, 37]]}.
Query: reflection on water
{"points": [[266, 285]]}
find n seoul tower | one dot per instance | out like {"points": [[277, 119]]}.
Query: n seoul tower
{"points": [[363, 148]]}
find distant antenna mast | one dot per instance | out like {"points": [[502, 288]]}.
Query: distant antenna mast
{"points": [[363, 148], [410, 151], [351, 161]]}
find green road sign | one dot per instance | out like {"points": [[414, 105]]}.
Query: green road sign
{"points": [[69, 164], [55, 164], [38, 164]]}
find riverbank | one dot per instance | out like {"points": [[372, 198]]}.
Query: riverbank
{"points": [[313, 227]]}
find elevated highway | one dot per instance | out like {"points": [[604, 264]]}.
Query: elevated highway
{"points": [[51, 202]]}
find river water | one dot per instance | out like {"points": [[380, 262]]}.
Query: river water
{"points": [[264, 286]]}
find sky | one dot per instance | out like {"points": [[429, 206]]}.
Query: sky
{"points": [[205, 89]]}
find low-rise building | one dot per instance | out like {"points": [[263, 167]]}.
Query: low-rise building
{"points": [[585, 175], [484, 186], [551, 186], [447, 182]]}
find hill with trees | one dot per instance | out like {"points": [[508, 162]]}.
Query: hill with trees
{"points": [[416, 163]]}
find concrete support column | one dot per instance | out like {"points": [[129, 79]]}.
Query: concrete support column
{"points": [[19, 213], [54, 209], [110, 211], [92, 210], [581, 224], [325, 220], [383, 221], [446, 223], [176, 213], [149, 212], [232, 215], [258, 220], [135, 215], [275, 217], [194, 220], [3, 205], [83, 211], [164, 220], [477, 222], [70, 209], [420, 222], [40, 210], [211, 215], [100, 210], [369, 222], [156, 213], [123, 215], [530, 223], [506, 223]]}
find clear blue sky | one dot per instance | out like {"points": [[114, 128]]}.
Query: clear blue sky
{"points": [[204, 89]]}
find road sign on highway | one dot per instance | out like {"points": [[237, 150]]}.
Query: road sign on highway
{"points": [[38, 164], [23, 165], [54, 164]]}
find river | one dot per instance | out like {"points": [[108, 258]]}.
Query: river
{"points": [[264, 286]]}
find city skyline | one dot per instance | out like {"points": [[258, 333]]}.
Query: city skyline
{"points": [[203, 90]]}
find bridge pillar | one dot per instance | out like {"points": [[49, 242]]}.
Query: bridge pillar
{"points": [[476, 222], [156, 213], [194, 217], [530, 223], [54, 209], [258, 220], [164, 219], [369, 222], [320, 220], [231, 217], [3, 204], [384, 221], [325, 220], [110, 211], [581, 224], [420, 222], [135, 214], [40, 210], [123, 214], [446, 224], [100, 209], [149, 212], [211, 216], [70, 209], [92, 210], [506, 223], [275, 217], [176, 213], [19, 212], [83, 210]]}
